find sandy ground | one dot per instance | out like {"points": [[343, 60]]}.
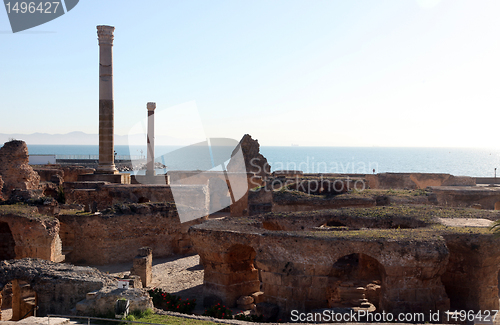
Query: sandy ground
{"points": [[179, 275]]}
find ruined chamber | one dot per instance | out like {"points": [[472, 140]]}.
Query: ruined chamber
{"points": [[393, 259]]}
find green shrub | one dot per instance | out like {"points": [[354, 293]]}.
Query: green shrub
{"points": [[249, 318], [166, 301], [219, 311]]}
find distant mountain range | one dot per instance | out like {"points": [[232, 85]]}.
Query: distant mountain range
{"points": [[82, 138]]}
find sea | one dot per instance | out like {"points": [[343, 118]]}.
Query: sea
{"points": [[476, 162]]}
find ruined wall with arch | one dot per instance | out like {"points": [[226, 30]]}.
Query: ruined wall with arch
{"points": [[25, 233], [388, 261]]}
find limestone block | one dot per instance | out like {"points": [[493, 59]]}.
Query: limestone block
{"points": [[258, 297], [300, 293], [245, 300], [271, 278], [105, 299]]}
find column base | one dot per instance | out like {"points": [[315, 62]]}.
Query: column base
{"points": [[106, 169]]}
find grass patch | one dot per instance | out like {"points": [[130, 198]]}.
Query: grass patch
{"points": [[22, 210], [71, 212], [372, 234], [166, 319]]}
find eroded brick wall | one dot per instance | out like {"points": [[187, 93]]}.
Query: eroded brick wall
{"points": [[115, 237]]}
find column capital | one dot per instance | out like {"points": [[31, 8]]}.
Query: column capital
{"points": [[105, 34], [151, 106]]}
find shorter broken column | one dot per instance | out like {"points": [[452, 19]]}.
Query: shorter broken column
{"points": [[143, 266], [150, 162]]}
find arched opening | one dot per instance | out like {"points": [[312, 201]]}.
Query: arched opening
{"points": [[355, 281], [241, 258], [245, 277], [7, 243], [67, 236], [497, 205], [18, 300]]}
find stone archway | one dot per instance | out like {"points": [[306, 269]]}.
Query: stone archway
{"points": [[356, 280], [19, 301], [7, 243], [235, 277]]}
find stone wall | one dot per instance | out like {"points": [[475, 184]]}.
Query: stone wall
{"points": [[471, 277], [104, 195], [296, 273], [68, 173], [15, 170], [481, 197], [115, 236], [416, 180], [25, 233], [305, 194]]}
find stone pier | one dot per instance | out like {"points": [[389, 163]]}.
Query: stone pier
{"points": [[150, 170], [143, 266], [106, 109]]}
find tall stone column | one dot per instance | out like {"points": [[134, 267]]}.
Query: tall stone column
{"points": [[106, 109], [150, 162]]}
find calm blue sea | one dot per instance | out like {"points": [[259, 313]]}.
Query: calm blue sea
{"points": [[455, 161]]}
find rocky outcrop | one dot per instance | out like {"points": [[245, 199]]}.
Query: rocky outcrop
{"points": [[103, 301], [255, 162], [16, 173], [479, 197]]}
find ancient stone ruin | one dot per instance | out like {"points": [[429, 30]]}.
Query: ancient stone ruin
{"points": [[18, 178], [382, 242], [398, 259], [387, 242], [58, 288]]}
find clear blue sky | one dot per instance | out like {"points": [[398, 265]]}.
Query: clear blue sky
{"points": [[324, 73]]}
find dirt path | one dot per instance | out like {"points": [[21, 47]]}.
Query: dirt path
{"points": [[180, 275]]}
